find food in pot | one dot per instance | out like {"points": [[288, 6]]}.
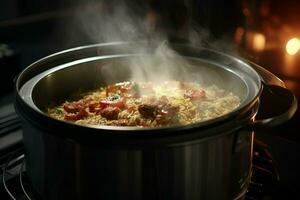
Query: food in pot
{"points": [[148, 104]]}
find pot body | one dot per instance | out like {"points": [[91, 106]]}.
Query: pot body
{"points": [[214, 168], [207, 160]]}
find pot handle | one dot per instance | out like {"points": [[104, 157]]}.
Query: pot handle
{"points": [[277, 103]]}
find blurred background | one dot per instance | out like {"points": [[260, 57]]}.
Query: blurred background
{"points": [[264, 31]]}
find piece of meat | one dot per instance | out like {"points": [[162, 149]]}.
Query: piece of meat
{"points": [[110, 113], [94, 106], [153, 107], [76, 116], [148, 110], [76, 106], [71, 108]]}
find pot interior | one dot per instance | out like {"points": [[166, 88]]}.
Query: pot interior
{"points": [[67, 81]]}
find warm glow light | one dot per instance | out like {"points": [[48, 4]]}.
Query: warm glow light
{"points": [[259, 42], [292, 46], [255, 41]]}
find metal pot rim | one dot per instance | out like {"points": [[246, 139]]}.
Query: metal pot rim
{"points": [[237, 113]]}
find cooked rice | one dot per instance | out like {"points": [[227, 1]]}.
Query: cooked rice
{"points": [[216, 103]]}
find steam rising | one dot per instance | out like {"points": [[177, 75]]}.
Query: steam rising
{"points": [[120, 22], [117, 22]]}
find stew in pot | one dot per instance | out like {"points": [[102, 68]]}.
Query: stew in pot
{"points": [[147, 104]]}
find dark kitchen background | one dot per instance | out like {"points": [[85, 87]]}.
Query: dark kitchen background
{"points": [[263, 31]]}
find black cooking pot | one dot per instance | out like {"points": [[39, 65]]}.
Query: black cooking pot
{"points": [[207, 160]]}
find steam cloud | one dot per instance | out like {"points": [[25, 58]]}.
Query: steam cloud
{"points": [[118, 21]]}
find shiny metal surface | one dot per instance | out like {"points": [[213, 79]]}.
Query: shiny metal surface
{"points": [[79, 67], [209, 160], [214, 169], [66, 73]]}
